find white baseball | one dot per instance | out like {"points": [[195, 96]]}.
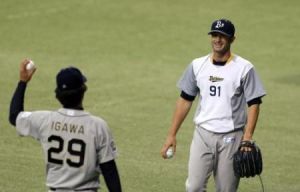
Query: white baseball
{"points": [[30, 65], [169, 153]]}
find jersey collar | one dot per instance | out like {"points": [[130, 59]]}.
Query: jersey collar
{"points": [[72, 112], [229, 59]]}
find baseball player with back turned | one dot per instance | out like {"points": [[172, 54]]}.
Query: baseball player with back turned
{"points": [[230, 93], [77, 145]]}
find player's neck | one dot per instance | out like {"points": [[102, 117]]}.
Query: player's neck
{"points": [[79, 107], [221, 57]]}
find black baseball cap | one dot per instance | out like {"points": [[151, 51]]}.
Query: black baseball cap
{"points": [[69, 78], [223, 26]]}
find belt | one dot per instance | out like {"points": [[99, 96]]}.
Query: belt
{"points": [[230, 131], [86, 189]]}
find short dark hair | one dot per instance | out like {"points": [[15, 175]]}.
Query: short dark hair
{"points": [[71, 98]]}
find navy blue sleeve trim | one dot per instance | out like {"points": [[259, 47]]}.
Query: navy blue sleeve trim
{"points": [[111, 176], [17, 102], [186, 96], [254, 101]]}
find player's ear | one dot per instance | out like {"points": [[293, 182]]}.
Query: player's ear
{"points": [[232, 39]]}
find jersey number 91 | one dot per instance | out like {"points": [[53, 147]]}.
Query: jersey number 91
{"points": [[215, 91]]}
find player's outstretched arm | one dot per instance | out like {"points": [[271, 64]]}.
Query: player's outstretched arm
{"points": [[111, 176], [17, 102], [183, 107]]}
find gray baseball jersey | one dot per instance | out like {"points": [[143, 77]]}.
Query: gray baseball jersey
{"points": [[74, 142], [223, 92]]}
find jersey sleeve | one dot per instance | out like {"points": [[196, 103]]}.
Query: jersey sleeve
{"points": [[187, 83], [29, 123], [252, 86], [107, 149]]}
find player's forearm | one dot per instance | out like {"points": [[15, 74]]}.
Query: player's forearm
{"points": [[17, 102], [253, 112], [111, 176], [182, 109]]}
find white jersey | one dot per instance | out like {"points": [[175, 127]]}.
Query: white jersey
{"points": [[223, 92], [74, 143]]}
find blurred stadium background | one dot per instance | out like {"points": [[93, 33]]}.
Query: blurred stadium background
{"points": [[133, 52]]}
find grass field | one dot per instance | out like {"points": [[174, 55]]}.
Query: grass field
{"points": [[133, 52]]}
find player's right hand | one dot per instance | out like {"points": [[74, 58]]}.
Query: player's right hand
{"points": [[170, 142], [25, 75]]}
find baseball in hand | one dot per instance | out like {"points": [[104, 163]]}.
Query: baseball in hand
{"points": [[169, 153], [30, 65]]}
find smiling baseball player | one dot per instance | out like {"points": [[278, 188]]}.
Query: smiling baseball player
{"points": [[78, 146], [226, 85]]}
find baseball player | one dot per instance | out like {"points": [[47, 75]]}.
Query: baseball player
{"points": [[230, 93], [78, 146]]}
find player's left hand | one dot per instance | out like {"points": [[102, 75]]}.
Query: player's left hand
{"points": [[247, 163], [247, 138], [26, 75], [246, 145]]}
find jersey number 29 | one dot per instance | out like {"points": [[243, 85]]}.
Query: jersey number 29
{"points": [[74, 152]]}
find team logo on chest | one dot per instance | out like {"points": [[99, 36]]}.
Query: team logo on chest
{"points": [[215, 79]]}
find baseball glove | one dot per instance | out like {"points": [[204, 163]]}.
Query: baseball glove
{"points": [[247, 163]]}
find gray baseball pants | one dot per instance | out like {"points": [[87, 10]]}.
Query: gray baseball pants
{"points": [[213, 153]]}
